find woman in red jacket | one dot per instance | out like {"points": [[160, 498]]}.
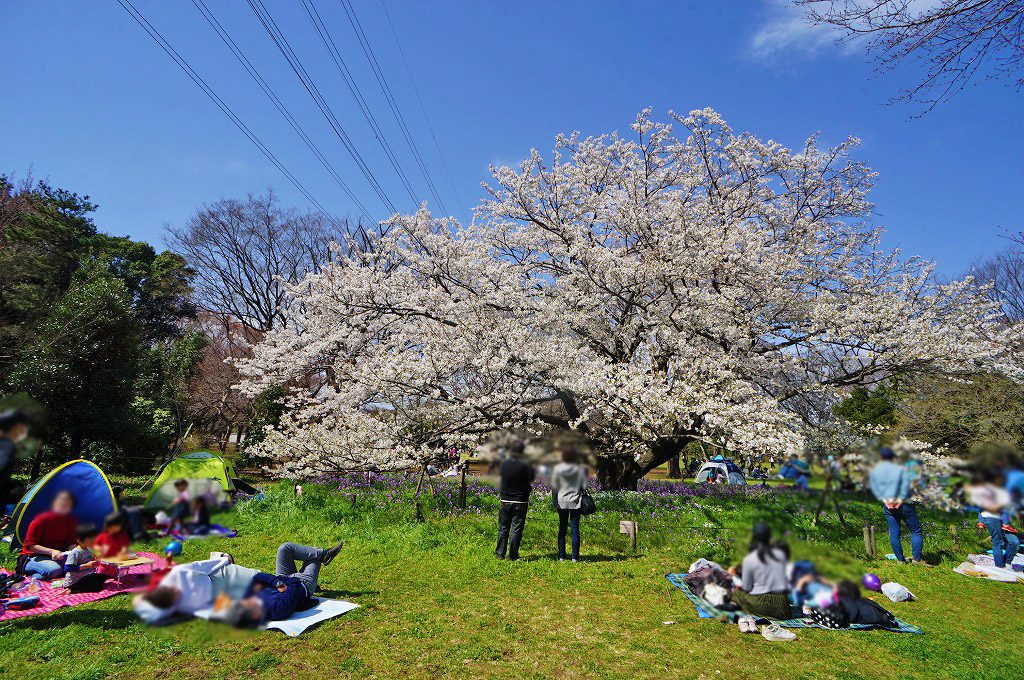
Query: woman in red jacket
{"points": [[49, 535]]}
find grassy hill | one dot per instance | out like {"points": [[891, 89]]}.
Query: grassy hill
{"points": [[436, 603]]}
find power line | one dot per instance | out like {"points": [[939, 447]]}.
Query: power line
{"points": [[353, 88], [221, 104], [279, 39], [423, 109], [378, 73], [267, 90]]}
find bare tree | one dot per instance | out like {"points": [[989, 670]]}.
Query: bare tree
{"points": [[1005, 272], [214, 406], [245, 252], [955, 39]]}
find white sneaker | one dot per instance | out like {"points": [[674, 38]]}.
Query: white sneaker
{"points": [[775, 632], [747, 625]]}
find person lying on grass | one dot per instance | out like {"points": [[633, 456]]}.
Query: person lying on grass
{"points": [[275, 597], [257, 597]]}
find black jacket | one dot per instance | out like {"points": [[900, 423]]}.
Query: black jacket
{"points": [[516, 477]]}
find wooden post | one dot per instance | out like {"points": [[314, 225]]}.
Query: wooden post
{"points": [[824, 496], [954, 538], [869, 545], [874, 542], [462, 487], [827, 492], [629, 527], [419, 482]]}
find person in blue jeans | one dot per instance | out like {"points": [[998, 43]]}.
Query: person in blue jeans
{"points": [[890, 483], [567, 481], [988, 492]]}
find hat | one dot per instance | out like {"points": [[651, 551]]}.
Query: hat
{"points": [[886, 453]]}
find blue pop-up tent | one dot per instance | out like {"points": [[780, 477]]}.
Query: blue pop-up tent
{"points": [[94, 499]]}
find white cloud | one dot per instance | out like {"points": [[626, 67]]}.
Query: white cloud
{"points": [[787, 29]]}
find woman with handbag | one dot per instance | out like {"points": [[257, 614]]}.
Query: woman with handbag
{"points": [[568, 480]]}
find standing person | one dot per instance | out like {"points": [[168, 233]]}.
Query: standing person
{"points": [[567, 481], [890, 483], [764, 587], [988, 493], [516, 477], [13, 428], [49, 535]]}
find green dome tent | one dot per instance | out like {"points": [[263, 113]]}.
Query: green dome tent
{"points": [[207, 474]]}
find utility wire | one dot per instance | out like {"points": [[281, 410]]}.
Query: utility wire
{"points": [[353, 88], [221, 104], [279, 39], [267, 90], [378, 73], [423, 109]]}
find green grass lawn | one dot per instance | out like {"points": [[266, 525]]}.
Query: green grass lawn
{"points": [[435, 602]]}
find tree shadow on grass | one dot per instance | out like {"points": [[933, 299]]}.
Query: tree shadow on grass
{"points": [[112, 619], [583, 558]]}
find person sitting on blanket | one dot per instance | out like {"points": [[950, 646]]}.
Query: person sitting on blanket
{"points": [[80, 561], [113, 541], [192, 587], [764, 589], [808, 589], [48, 536], [180, 508], [200, 524], [275, 597]]}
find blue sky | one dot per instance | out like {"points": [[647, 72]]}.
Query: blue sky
{"points": [[91, 103]]}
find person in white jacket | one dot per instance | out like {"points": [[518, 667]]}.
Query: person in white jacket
{"points": [[567, 481], [188, 588]]}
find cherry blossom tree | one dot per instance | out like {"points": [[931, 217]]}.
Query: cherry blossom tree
{"points": [[678, 283]]}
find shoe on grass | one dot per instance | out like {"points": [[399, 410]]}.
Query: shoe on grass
{"points": [[332, 553], [777, 633]]}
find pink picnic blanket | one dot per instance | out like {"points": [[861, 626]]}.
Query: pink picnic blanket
{"points": [[51, 598]]}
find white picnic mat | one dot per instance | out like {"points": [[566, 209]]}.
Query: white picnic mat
{"points": [[298, 623], [989, 572]]}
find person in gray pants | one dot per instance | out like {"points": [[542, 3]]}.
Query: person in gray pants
{"points": [[275, 597]]}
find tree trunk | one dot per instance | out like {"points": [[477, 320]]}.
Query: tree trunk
{"points": [[673, 468], [618, 473], [625, 473]]}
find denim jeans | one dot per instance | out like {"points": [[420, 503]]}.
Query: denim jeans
{"points": [[1004, 545], [311, 559], [46, 569], [908, 515], [511, 521], [566, 519]]}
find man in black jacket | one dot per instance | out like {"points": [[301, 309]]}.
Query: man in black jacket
{"points": [[516, 477], [13, 428]]}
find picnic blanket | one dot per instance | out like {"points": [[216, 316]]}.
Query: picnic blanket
{"points": [[986, 559], [216, 531], [706, 610], [51, 598], [299, 622], [983, 566]]}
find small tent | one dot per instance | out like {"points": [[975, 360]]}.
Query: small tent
{"points": [[94, 499], [720, 467], [207, 475]]}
